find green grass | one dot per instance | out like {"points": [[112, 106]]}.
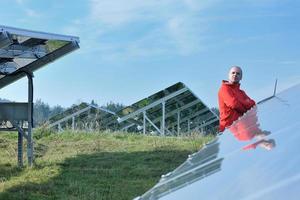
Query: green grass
{"points": [[82, 165]]}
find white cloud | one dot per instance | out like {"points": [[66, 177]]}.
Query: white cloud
{"points": [[200, 5], [20, 2], [241, 40], [187, 33], [289, 62], [174, 27], [260, 2], [274, 61], [31, 13], [118, 12], [154, 27]]}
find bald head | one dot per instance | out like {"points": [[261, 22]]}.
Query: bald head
{"points": [[235, 74]]}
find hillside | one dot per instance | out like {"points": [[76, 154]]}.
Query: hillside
{"points": [[82, 165]]}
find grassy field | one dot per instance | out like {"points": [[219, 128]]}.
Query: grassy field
{"points": [[82, 165]]}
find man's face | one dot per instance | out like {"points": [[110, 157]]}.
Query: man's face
{"points": [[235, 75]]}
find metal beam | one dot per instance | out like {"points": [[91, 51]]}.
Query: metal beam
{"points": [[198, 120], [102, 109], [30, 120], [207, 123], [178, 123], [59, 127], [20, 149], [166, 98], [163, 108], [187, 106], [38, 34], [20, 129], [153, 124], [169, 132], [191, 116], [69, 117], [144, 122], [78, 113], [127, 127], [73, 123], [171, 103]]}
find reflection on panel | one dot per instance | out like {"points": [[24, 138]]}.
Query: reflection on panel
{"points": [[256, 159]]}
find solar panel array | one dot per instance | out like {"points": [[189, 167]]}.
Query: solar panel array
{"points": [[255, 158], [176, 108], [85, 117]]}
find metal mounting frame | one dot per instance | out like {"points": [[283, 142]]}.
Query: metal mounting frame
{"points": [[22, 52], [166, 115]]}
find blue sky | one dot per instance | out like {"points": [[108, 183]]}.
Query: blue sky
{"points": [[132, 49]]}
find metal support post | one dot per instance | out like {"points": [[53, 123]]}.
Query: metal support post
{"points": [[59, 127], [20, 149], [144, 122], [178, 123], [162, 128], [158, 130], [30, 122], [188, 125], [73, 123]]}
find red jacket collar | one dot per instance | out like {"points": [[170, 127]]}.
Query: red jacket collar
{"points": [[226, 83]]}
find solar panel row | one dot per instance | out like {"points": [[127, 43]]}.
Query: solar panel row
{"points": [[85, 117], [174, 110]]}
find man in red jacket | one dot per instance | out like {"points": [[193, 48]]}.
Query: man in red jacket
{"points": [[233, 102]]}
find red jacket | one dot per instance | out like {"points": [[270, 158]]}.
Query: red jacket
{"points": [[233, 103]]}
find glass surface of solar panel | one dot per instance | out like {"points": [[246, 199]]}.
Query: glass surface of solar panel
{"points": [[256, 158], [146, 101], [178, 99], [85, 114], [26, 50], [67, 112]]}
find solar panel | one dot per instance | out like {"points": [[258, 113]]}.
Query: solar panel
{"points": [[172, 111], [85, 116], [21, 53], [255, 158], [25, 50]]}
